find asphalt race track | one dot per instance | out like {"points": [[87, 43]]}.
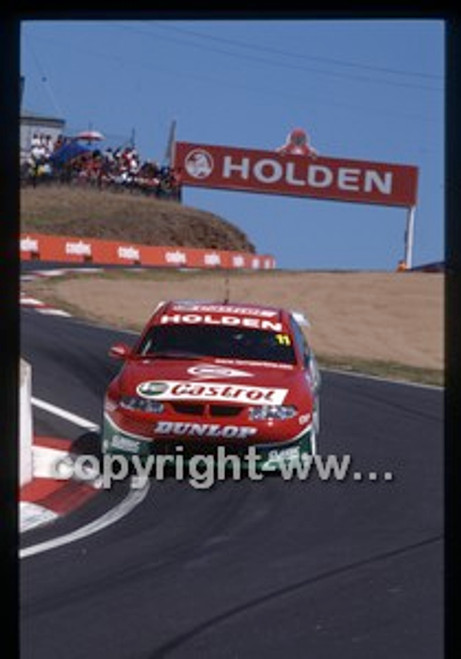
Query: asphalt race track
{"points": [[326, 570]]}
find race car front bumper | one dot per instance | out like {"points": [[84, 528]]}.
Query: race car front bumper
{"points": [[263, 455]]}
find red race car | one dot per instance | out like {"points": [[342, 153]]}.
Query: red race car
{"points": [[205, 375]]}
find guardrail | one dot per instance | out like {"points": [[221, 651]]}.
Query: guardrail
{"points": [[70, 249]]}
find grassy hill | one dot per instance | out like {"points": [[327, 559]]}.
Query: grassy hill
{"points": [[86, 212]]}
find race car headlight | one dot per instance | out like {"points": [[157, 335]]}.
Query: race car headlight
{"points": [[133, 403], [264, 412]]}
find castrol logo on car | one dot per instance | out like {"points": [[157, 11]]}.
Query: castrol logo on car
{"points": [[224, 392]]}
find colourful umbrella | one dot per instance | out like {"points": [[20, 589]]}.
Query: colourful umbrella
{"points": [[90, 136]]}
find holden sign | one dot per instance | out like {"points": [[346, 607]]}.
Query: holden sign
{"points": [[254, 170]]}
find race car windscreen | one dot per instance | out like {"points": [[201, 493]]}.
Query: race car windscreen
{"points": [[189, 341]]}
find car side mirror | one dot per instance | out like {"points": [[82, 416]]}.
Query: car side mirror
{"points": [[119, 351]]}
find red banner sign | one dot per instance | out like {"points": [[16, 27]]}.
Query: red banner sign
{"points": [[70, 249], [251, 170]]}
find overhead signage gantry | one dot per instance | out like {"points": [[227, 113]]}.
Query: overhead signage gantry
{"points": [[283, 173]]}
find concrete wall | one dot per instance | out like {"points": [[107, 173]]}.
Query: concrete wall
{"points": [[25, 423]]}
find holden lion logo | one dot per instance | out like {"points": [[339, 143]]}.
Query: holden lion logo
{"points": [[151, 389], [199, 163], [212, 372]]}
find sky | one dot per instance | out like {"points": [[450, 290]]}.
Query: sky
{"points": [[370, 89]]}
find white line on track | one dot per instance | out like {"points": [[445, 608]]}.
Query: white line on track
{"points": [[58, 272], [30, 302], [133, 499], [49, 311], [64, 414]]}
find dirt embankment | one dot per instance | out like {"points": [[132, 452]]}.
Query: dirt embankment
{"points": [[391, 317], [108, 215]]}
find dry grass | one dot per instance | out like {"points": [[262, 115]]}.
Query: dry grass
{"points": [[86, 212]]}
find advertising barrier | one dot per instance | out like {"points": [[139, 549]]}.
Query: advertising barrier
{"points": [[112, 252]]}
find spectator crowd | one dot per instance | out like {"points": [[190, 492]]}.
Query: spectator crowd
{"points": [[117, 169]]}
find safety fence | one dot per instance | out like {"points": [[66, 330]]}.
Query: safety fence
{"points": [[69, 249]]}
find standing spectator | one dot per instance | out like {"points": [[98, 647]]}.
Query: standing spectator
{"points": [[49, 145], [297, 143], [109, 157], [35, 141]]}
